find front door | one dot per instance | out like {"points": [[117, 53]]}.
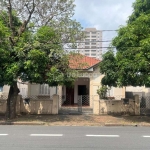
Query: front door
{"points": [[69, 96], [82, 90]]}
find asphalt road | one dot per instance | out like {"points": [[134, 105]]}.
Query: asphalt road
{"points": [[74, 138]]}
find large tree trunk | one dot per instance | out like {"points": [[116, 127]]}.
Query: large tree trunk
{"points": [[11, 101]]}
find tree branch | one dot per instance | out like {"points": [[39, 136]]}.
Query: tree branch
{"points": [[11, 21]]}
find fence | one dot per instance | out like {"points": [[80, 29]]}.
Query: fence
{"points": [[117, 107], [144, 101], [82, 104], [33, 105]]}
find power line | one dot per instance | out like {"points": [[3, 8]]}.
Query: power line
{"points": [[90, 48], [91, 41], [108, 30], [104, 47]]}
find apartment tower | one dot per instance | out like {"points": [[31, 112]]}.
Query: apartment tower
{"points": [[92, 44]]}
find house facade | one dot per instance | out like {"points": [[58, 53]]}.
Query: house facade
{"points": [[86, 84]]}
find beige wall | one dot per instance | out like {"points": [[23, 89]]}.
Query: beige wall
{"points": [[35, 106], [5, 91], [102, 107], [33, 89], [2, 106]]}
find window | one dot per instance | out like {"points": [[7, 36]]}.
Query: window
{"points": [[44, 89], [87, 43], [87, 32], [93, 50], [87, 54], [93, 54], [93, 32], [93, 36], [93, 46], [86, 50], [86, 46], [93, 40], [87, 40], [1, 89], [93, 43]]}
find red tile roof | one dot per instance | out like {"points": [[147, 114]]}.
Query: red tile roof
{"points": [[78, 61]]}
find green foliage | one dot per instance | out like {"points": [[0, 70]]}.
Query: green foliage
{"points": [[102, 91], [133, 50], [32, 38], [109, 67]]}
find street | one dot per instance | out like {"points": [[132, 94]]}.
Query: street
{"points": [[72, 138]]}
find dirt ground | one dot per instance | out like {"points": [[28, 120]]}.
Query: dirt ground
{"points": [[82, 120]]}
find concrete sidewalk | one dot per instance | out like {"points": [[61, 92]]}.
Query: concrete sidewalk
{"points": [[78, 120]]}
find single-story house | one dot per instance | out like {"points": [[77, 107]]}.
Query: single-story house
{"points": [[87, 83]]}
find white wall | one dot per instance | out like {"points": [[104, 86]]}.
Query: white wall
{"points": [[34, 89]]}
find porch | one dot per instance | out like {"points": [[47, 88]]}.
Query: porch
{"points": [[76, 95]]}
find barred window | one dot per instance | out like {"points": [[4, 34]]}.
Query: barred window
{"points": [[44, 89]]}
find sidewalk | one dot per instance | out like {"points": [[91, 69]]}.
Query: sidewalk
{"points": [[78, 120]]}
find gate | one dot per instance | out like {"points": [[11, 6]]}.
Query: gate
{"points": [[82, 105], [66, 107], [144, 101]]}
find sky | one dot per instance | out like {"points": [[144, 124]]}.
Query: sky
{"points": [[103, 15]]}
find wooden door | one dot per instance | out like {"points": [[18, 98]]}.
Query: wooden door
{"points": [[70, 95]]}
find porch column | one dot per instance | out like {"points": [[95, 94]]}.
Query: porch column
{"points": [[91, 92]]}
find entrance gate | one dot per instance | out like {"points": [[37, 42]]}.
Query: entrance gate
{"points": [[81, 107], [144, 101]]}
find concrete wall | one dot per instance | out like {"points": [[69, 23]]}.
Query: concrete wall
{"points": [[2, 106], [5, 91], [117, 107], [35, 106]]}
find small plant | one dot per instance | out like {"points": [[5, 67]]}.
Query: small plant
{"points": [[102, 92]]}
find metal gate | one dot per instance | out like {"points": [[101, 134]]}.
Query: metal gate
{"points": [[67, 108], [144, 101], [81, 107], [144, 105]]}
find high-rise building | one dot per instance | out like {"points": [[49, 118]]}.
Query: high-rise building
{"points": [[92, 44]]}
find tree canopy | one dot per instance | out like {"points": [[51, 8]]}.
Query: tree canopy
{"points": [[130, 65], [32, 38]]}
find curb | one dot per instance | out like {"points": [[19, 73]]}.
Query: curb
{"points": [[119, 124], [21, 123], [43, 123]]}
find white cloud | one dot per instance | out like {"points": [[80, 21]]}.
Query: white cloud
{"points": [[103, 14]]}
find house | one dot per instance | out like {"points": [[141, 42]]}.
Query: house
{"points": [[86, 85]]}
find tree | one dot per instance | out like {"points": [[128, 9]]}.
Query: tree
{"points": [[133, 49], [108, 66], [32, 36]]}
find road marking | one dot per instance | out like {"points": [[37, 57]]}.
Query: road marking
{"points": [[3, 134], [46, 134], [103, 135], [146, 136]]}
